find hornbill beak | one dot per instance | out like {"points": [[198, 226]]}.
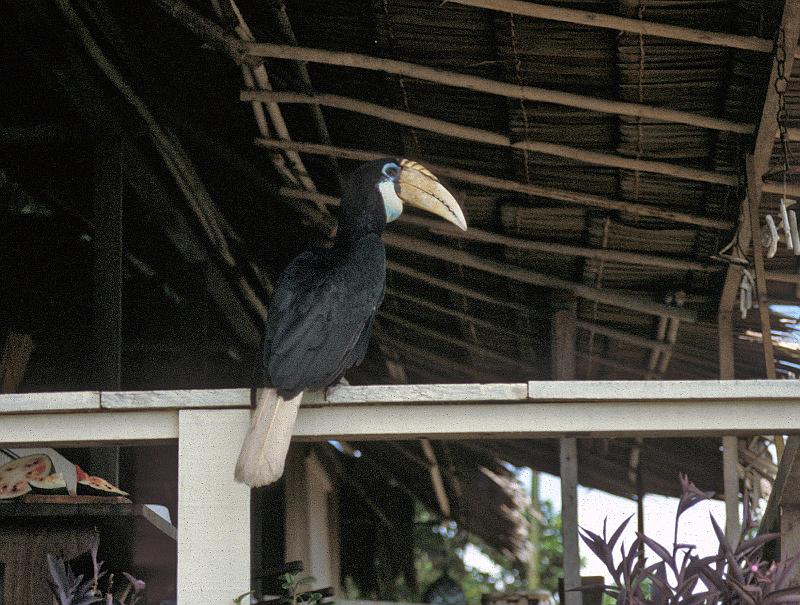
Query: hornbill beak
{"points": [[418, 187]]}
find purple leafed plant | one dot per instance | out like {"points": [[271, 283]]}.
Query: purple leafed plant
{"points": [[69, 589], [734, 576]]}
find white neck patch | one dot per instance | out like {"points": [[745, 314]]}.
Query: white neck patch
{"points": [[391, 202]]}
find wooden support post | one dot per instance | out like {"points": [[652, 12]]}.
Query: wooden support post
{"points": [[108, 195], [562, 336], [108, 263], [753, 203], [730, 443], [569, 519], [211, 502], [308, 534], [730, 460]]}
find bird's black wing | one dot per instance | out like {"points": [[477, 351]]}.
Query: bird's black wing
{"points": [[321, 313]]}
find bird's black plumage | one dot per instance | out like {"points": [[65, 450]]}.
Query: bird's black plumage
{"points": [[322, 309]]}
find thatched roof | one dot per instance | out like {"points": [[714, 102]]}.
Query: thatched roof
{"points": [[210, 218]]}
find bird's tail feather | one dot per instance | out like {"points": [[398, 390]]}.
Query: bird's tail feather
{"points": [[263, 452]]}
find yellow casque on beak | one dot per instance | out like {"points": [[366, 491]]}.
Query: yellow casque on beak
{"points": [[418, 187]]}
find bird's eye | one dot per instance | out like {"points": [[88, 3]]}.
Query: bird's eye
{"points": [[391, 170]]}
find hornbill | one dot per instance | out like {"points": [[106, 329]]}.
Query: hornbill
{"points": [[322, 308]]}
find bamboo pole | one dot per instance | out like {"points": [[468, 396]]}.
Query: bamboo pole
{"points": [[457, 342], [438, 282], [432, 306], [602, 295], [480, 296], [621, 336], [648, 28], [503, 89], [477, 135], [620, 256], [466, 176]]}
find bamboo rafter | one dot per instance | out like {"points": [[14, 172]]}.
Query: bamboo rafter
{"points": [[638, 26], [468, 176], [491, 138], [602, 295], [504, 89]]}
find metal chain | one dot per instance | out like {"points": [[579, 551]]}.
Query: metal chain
{"points": [[782, 117]]}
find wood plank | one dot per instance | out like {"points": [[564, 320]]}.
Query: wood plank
{"points": [[409, 393], [213, 510], [35, 403], [675, 391], [180, 399], [619, 418], [88, 429]]}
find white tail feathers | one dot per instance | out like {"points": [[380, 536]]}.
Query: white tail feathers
{"points": [[264, 450]]}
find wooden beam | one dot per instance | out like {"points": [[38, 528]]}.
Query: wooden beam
{"points": [[422, 302], [563, 363], [467, 176], [486, 137], [638, 26], [580, 324], [602, 295], [784, 488], [107, 244], [505, 89], [545, 408], [604, 254], [752, 203], [436, 478], [479, 350], [395, 267], [619, 335]]}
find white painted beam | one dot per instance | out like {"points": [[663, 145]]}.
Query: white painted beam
{"points": [[552, 409], [34, 403], [584, 419], [213, 510], [88, 429]]}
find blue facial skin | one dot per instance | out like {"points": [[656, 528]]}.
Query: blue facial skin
{"points": [[391, 172]]}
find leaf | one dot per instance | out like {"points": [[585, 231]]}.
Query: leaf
{"points": [[756, 543], [733, 565], [690, 496], [743, 592], [615, 536], [662, 552]]}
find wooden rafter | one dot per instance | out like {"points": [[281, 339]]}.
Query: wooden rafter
{"points": [[505, 89], [477, 135], [638, 26], [467, 176], [620, 256], [602, 295]]}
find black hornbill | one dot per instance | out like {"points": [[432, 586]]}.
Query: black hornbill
{"points": [[323, 305]]}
